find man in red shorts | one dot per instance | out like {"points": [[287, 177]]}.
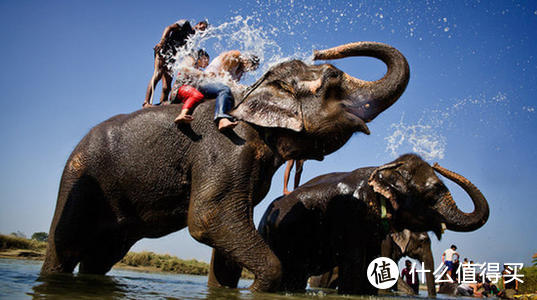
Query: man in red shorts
{"points": [[186, 93]]}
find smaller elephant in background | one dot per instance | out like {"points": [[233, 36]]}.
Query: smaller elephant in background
{"points": [[416, 245], [396, 245], [342, 220]]}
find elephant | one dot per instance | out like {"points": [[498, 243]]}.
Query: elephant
{"points": [[341, 219], [413, 244], [396, 245], [140, 175]]}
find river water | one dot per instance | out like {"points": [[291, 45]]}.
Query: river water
{"points": [[19, 279]]}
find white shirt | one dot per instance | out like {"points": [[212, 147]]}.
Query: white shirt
{"points": [[448, 254]]}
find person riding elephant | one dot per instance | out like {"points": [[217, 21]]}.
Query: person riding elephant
{"points": [[416, 245], [140, 175], [341, 219], [174, 37]]}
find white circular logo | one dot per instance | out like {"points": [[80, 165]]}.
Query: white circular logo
{"points": [[382, 273]]}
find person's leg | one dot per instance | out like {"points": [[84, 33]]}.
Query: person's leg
{"points": [[166, 85], [224, 103], [157, 74], [298, 172], [191, 98], [286, 175]]}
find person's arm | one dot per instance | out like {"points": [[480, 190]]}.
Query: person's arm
{"points": [[443, 256]]}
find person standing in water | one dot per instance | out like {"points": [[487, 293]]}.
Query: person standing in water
{"points": [[173, 38]]}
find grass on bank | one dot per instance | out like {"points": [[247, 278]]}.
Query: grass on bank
{"points": [[530, 280], [149, 260], [15, 242], [168, 263]]}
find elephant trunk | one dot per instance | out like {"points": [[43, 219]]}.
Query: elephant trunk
{"points": [[367, 99], [456, 219], [428, 261]]}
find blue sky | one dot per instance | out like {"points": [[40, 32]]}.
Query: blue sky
{"points": [[470, 103]]}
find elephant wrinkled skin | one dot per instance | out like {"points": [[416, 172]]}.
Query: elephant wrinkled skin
{"points": [[140, 175], [335, 220]]}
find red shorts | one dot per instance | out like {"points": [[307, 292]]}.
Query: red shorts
{"points": [[189, 95]]}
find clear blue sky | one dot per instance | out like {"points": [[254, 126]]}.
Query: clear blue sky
{"points": [[470, 104]]}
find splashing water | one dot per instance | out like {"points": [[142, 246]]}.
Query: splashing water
{"points": [[427, 136], [423, 139], [238, 34]]}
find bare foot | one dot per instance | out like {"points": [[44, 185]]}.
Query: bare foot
{"points": [[183, 119], [224, 124], [286, 192], [146, 105]]}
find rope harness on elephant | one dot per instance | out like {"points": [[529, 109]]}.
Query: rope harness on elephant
{"points": [[252, 88], [384, 216]]}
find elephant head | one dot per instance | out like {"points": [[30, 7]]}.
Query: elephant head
{"points": [[319, 105], [420, 201]]}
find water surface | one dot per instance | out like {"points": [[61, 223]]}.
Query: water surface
{"points": [[20, 279]]}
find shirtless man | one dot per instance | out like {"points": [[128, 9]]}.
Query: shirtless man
{"points": [[173, 38]]}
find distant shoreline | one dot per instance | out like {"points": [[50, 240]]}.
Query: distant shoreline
{"points": [[13, 247]]}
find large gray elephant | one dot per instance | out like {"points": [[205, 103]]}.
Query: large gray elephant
{"points": [[341, 219], [396, 245], [140, 175]]}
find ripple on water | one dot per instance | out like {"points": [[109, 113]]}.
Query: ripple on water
{"points": [[20, 279]]}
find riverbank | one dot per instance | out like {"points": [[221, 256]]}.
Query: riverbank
{"points": [[21, 248]]}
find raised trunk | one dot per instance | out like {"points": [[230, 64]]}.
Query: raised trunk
{"points": [[367, 99], [454, 218]]}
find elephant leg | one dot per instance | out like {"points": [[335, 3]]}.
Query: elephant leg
{"points": [[101, 259], [247, 248], [224, 272], [353, 276], [60, 259], [294, 282], [70, 226], [227, 226], [105, 248], [402, 286]]}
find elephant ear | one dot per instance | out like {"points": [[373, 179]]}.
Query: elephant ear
{"points": [[401, 239], [271, 105], [385, 181]]}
